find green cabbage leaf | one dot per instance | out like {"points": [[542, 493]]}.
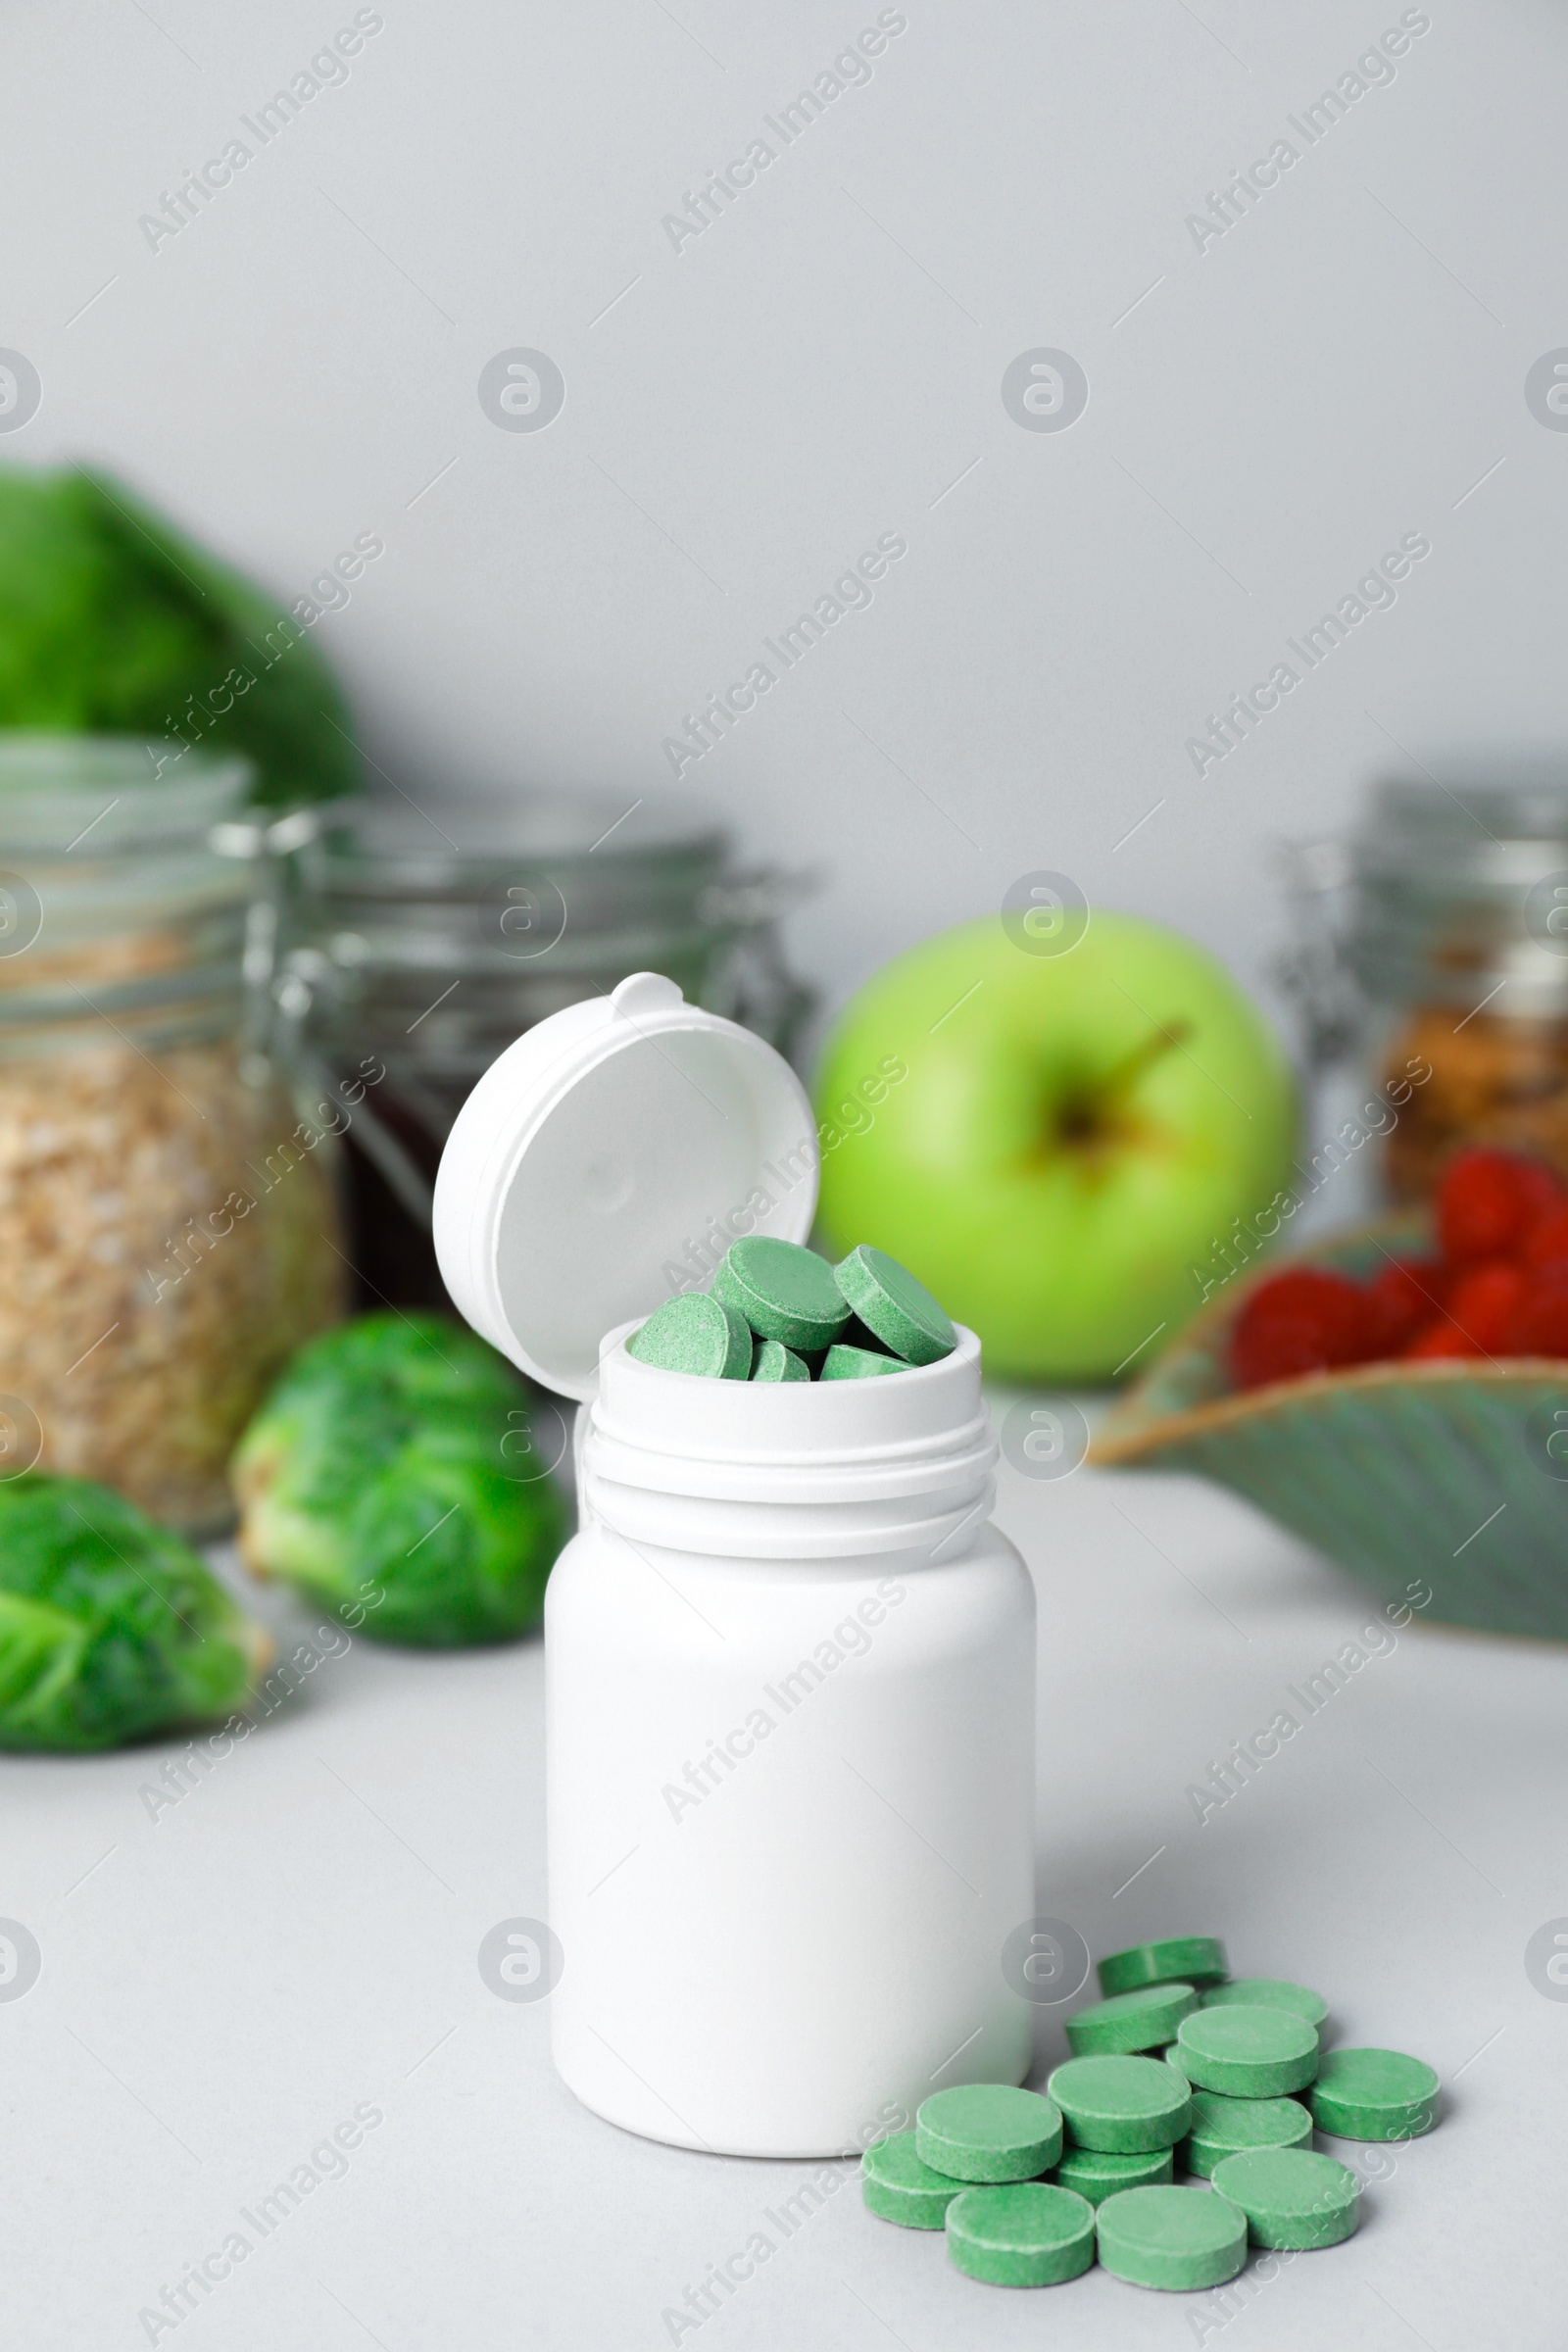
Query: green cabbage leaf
{"points": [[112, 622]]}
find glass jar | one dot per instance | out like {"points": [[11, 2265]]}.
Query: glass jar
{"points": [[168, 1218], [432, 941], [1435, 942]]}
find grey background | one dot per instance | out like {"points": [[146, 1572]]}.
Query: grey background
{"points": [[301, 1932], [744, 417]]}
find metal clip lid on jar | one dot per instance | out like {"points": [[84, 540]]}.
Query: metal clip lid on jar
{"points": [[1456, 891], [603, 1161], [113, 877], [441, 944]]}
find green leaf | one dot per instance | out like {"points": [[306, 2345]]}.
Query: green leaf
{"points": [[112, 623]]}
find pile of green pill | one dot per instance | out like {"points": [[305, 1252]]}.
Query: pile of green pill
{"points": [[1178, 2063], [776, 1311]]}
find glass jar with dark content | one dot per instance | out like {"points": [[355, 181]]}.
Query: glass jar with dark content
{"points": [[430, 941], [168, 1219]]}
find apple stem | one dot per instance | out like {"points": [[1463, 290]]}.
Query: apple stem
{"points": [[1144, 1055], [1085, 1122]]}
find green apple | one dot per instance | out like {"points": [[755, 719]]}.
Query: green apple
{"points": [[1053, 1141]]}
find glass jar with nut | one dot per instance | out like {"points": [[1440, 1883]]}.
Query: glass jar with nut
{"points": [[168, 1221], [1435, 943]]}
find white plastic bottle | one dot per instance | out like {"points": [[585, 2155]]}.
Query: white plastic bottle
{"points": [[790, 1665]]}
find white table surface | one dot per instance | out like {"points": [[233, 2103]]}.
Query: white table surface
{"points": [[224, 1985]]}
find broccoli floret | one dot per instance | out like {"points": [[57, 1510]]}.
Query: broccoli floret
{"points": [[391, 1477], [109, 1625]]}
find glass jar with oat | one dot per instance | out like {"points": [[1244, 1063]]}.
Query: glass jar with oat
{"points": [[168, 1225]]}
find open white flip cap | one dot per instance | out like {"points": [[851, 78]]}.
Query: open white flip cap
{"points": [[597, 1154]]}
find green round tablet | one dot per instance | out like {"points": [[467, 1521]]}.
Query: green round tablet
{"points": [[772, 1361], [1290, 2197], [1253, 2053], [890, 1303], [1180, 1960], [988, 2132], [1094, 2174], [1145, 2019], [784, 1292], [1269, 1992], [1224, 2126], [898, 2186], [859, 1364], [1121, 2104], [855, 1335], [694, 1333], [1028, 2235], [1171, 2238], [1373, 2094]]}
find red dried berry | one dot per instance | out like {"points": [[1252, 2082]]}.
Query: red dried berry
{"points": [[1307, 1320], [1547, 1243], [1404, 1295], [1539, 1322], [1440, 1339], [1489, 1201], [1483, 1301]]}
